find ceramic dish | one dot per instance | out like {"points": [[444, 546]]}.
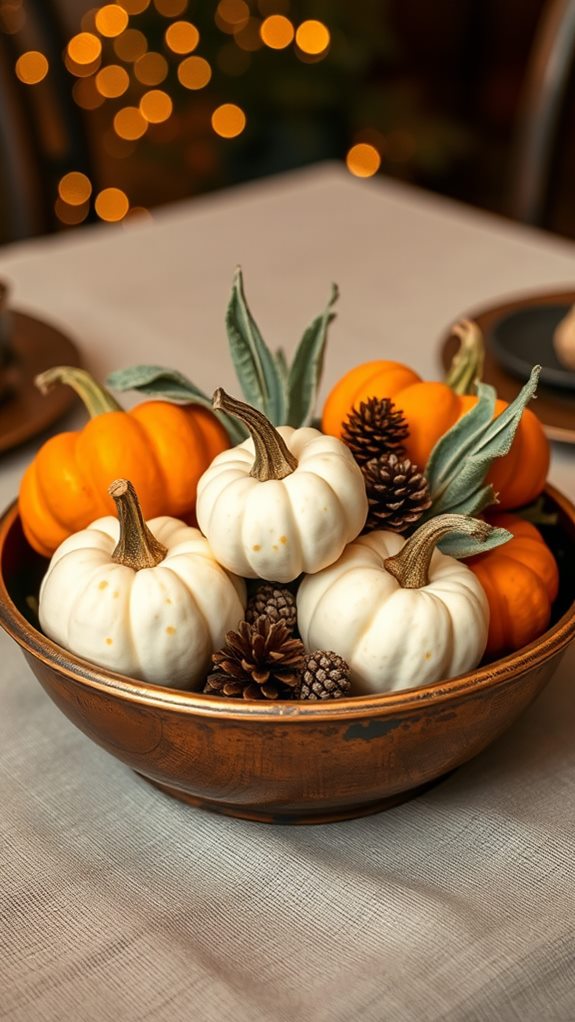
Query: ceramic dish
{"points": [[500, 322], [24, 411]]}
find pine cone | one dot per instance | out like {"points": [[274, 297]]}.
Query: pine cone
{"points": [[258, 661], [325, 675], [376, 428], [275, 602], [397, 493]]}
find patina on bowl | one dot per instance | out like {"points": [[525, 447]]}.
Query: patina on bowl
{"points": [[288, 762]]}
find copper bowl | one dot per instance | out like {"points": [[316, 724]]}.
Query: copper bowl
{"points": [[289, 762]]}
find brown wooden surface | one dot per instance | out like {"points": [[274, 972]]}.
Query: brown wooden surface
{"points": [[555, 407], [24, 411], [288, 762]]}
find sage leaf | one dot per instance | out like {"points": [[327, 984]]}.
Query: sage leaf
{"points": [[255, 365], [460, 460], [157, 381], [459, 545], [170, 385], [307, 365]]}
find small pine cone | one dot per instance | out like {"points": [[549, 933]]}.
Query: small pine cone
{"points": [[325, 675], [397, 493], [376, 428], [258, 661], [274, 602]]}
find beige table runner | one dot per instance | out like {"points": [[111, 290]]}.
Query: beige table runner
{"points": [[117, 903]]}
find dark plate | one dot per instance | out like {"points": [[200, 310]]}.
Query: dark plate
{"points": [[24, 411], [524, 338], [555, 406]]}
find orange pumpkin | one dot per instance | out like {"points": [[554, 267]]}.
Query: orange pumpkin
{"points": [[520, 579], [431, 408], [161, 447]]}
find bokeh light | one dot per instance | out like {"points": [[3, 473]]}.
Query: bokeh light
{"points": [[151, 69], [111, 20], [248, 37], [182, 37], [194, 73], [170, 8], [75, 188], [112, 204], [86, 94], [71, 215], [81, 70], [312, 37], [228, 120], [363, 160], [112, 81], [12, 17], [129, 123], [84, 48], [277, 32], [32, 67], [156, 106], [131, 45], [231, 15], [138, 213], [134, 6]]}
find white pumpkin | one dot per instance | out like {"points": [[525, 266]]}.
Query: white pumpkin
{"points": [[401, 614], [286, 501], [159, 622]]}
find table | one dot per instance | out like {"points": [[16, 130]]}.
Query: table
{"points": [[117, 903]]}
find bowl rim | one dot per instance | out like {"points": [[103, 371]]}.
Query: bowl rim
{"points": [[505, 670]]}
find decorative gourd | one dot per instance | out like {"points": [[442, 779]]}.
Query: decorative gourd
{"points": [[290, 509], [432, 408], [520, 580], [401, 614], [146, 600], [162, 447]]}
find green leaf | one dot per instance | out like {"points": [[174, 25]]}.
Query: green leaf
{"points": [[307, 365], [459, 545], [282, 366], [255, 365], [461, 458], [170, 385], [157, 381]]}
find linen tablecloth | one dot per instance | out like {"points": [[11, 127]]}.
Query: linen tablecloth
{"points": [[118, 903]]}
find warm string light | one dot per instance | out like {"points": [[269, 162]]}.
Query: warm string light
{"points": [[228, 120], [363, 160], [111, 205], [31, 67], [277, 32], [248, 28], [194, 73], [182, 37], [312, 38]]}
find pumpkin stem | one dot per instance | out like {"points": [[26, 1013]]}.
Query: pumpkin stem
{"points": [[466, 369], [137, 547], [411, 565], [273, 458], [96, 399]]}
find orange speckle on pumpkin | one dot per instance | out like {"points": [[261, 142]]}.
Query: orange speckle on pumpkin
{"points": [[428, 655], [103, 584], [256, 546], [283, 539], [170, 630], [109, 641], [167, 600]]}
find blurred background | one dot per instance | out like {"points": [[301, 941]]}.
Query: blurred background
{"points": [[108, 111]]}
